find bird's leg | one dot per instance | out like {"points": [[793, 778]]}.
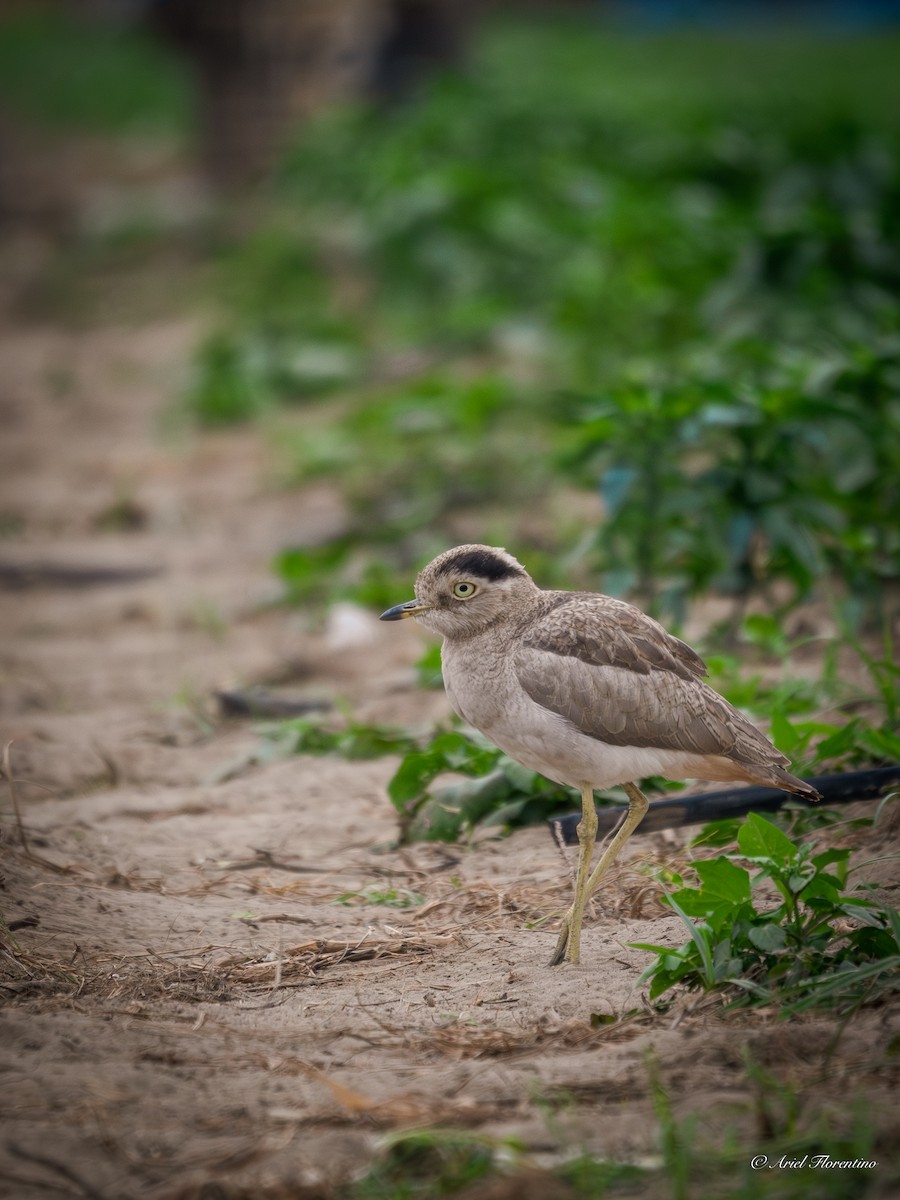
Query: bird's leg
{"points": [[637, 810], [568, 945]]}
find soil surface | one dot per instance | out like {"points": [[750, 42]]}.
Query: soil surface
{"points": [[212, 983]]}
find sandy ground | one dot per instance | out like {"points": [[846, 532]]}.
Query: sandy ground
{"points": [[202, 992]]}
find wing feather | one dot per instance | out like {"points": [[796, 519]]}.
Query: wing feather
{"points": [[605, 631], [619, 677]]}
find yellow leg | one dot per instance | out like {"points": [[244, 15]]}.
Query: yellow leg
{"points": [[569, 942], [568, 946]]}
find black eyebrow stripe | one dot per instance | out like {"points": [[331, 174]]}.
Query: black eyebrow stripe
{"points": [[481, 563]]}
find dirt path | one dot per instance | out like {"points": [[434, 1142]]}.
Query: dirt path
{"points": [[205, 988]]}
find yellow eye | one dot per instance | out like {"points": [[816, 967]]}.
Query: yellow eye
{"points": [[462, 591]]}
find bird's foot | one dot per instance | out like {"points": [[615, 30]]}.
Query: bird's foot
{"points": [[567, 946]]}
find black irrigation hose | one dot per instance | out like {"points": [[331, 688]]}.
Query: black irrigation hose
{"points": [[733, 802], [19, 577]]}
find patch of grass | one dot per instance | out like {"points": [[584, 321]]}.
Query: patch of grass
{"points": [[421, 1164], [226, 388], [792, 704], [787, 1160], [378, 894]]}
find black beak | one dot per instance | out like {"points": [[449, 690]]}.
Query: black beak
{"points": [[400, 612]]}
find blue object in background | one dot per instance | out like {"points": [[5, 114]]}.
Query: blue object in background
{"points": [[826, 14]]}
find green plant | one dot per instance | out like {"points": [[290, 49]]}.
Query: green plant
{"points": [[378, 894], [792, 703], [780, 474], [819, 947], [307, 735], [497, 790]]}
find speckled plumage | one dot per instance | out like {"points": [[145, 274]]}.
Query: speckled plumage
{"points": [[581, 687]]}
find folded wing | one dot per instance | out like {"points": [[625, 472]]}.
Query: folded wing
{"points": [[619, 677]]}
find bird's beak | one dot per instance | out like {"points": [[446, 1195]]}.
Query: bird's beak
{"points": [[412, 608]]}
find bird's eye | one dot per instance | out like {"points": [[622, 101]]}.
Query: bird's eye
{"points": [[462, 591]]}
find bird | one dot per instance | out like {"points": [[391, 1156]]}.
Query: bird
{"points": [[585, 689]]}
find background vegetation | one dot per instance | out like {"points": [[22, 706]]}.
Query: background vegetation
{"points": [[662, 273], [629, 305]]}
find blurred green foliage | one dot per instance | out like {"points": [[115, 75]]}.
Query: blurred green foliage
{"points": [[663, 271], [70, 74]]}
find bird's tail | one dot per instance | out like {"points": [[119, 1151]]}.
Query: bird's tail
{"points": [[780, 778]]}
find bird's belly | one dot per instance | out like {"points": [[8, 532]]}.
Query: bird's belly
{"points": [[542, 740], [565, 755], [547, 743]]}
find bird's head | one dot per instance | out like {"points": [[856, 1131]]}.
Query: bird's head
{"points": [[465, 590]]}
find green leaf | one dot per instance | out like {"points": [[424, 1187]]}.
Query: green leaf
{"points": [[786, 736], [836, 745], [760, 839], [883, 744], [833, 855], [718, 833], [769, 938], [724, 880], [725, 964], [862, 911], [475, 799], [448, 751], [692, 901], [700, 936], [650, 947], [826, 987], [822, 886], [894, 920], [799, 878], [766, 632]]}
